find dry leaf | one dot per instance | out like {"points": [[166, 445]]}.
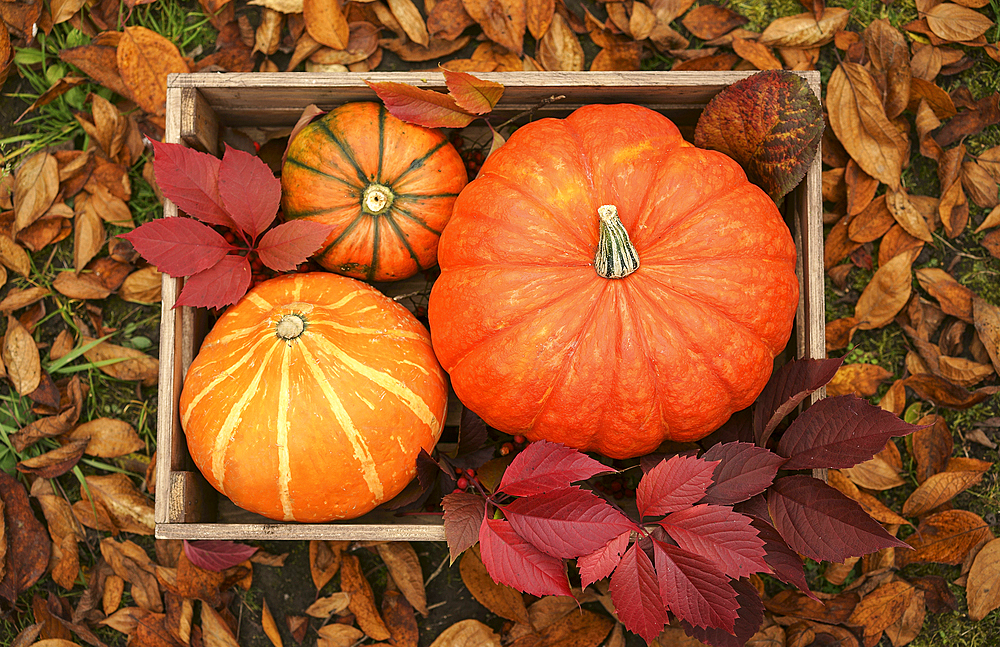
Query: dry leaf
{"points": [[955, 299], [886, 294], [80, 286], [108, 438], [216, 631], [13, 256], [890, 58], [324, 560], [938, 490], [503, 21], [362, 603], [142, 286], [862, 380], [560, 48], [412, 52], [267, 38], [803, 30], [963, 372], [711, 21], [20, 356], [907, 216], [132, 364], [400, 620], [858, 118], [18, 298], [874, 474], [983, 586], [467, 633], [872, 223], [957, 23], [36, 185], [875, 508], [945, 537], [120, 505], [55, 462], [338, 635], [404, 566], [980, 185], [501, 599], [144, 60], [326, 607], [88, 234], [409, 18], [880, 609], [131, 563], [947, 394], [448, 19], [907, 628], [270, 626], [760, 56], [986, 319]]}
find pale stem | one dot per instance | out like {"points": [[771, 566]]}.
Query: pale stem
{"points": [[616, 257]]}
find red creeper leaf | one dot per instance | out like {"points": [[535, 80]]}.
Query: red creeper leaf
{"points": [[821, 523], [422, 107], [191, 181], [839, 432], [566, 523], [751, 615], [785, 563], [249, 191], [217, 555], [220, 285], [471, 94], [179, 246], [513, 561], [463, 515], [599, 564], [694, 589], [289, 244], [787, 388], [720, 535], [545, 466], [743, 471], [674, 484], [636, 595]]}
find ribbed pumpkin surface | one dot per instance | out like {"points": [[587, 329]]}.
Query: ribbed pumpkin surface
{"points": [[537, 343], [386, 186], [323, 426]]}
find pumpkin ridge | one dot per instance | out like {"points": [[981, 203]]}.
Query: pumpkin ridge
{"points": [[222, 377], [345, 151], [224, 437], [361, 452], [347, 230], [409, 214], [381, 141], [376, 244], [402, 239], [306, 167], [416, 197], [417, 163], [281, 436], [641, 332], [393, 386]]}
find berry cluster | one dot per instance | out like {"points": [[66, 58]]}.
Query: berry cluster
{"points": [[473, 157], [617, 486]]}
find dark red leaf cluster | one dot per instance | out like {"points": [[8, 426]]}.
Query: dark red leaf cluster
{"points": [[238, 193], [705, 523]]}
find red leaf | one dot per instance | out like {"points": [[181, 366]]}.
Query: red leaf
{"points": [[289, 244], [694, 589], [220, 285], [786, 389], [636, 595], [249, 191], [566, 523], [785, 563], [463, 515], [191, 180], [422, 107], [544, 466], [178, 246], [744, 470], [821, 523], [217, 555], [721, 535], [751, 615], [599, 564], [471, 94], [512, 561], [674, 484], [839, 432]]}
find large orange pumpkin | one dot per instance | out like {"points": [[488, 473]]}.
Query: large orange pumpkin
{"points": [[608, 286], [311, 398], [386, 186]]}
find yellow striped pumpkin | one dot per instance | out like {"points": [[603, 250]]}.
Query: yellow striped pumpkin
{"points": [[310, 399]]}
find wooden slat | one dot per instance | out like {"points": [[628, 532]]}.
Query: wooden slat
{"points": [[199, 124], [357, 532]]}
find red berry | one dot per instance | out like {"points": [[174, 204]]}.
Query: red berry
{"points": [[616, 486], [459, 470], [456, 490], [519, 439], [470, 473], [506, 448], [462, 483]]}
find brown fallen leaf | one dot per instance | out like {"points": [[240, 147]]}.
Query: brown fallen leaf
{"points": [[501, 599], [931, 447], [198, 583], [324, 560], [20, 356], [142, 286], [130, 365], [338, 635], [986, 319], [875, 508], [448, 19], [874, 474], [886, 294], [828, 608], [964, 372], [267, 38], [114, 588], [144, 60], [907, 216], [120, 506], [907, 628], [88, 233], [36, 184], [55, 462], [983, 586], [945, 538], [130, 562], [362, 603], [326, 23], [890, 58], [18, 298], [410, 20], [711, 21], [956, 23], [327, 606], [938, 489], [954, 298], [404, 566], [858, 118], [400, 619], [980, 185], [13, 256], [80, 286], [436, 48], [880, 609], [758, 55], [25, 542], [467, 633], [270, 626], [946, 394], [216, 631], [862, 380], [560, 48], [803, 30], [503, 21], [107, 437]]}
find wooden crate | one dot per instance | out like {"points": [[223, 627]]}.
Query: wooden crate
{"points": [[199, 106]]}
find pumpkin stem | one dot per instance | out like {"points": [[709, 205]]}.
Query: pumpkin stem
{"points": [[289, 327], [616, 257], [377, 199]]}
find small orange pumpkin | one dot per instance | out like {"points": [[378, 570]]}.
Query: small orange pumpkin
{"points": [[310, 399], [386, 186]]}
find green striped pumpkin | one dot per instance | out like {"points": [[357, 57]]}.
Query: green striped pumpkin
{"points": [[386, 186]]}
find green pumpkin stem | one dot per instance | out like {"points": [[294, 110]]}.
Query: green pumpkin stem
{"points": [[289, 327], [616, 256], [377, 199]]}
